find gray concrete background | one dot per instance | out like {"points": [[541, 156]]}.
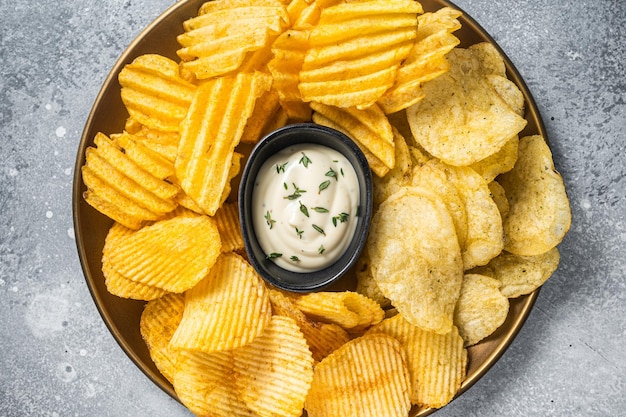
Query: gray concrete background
{"points": [[58, 358]]}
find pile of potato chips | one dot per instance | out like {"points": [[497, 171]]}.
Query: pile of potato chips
{"points": [[467, 213]]}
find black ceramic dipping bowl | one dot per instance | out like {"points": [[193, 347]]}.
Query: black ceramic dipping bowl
{"points": [[304, 133]]}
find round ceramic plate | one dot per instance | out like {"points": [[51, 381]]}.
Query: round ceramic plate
{"points": [[108, 115]]}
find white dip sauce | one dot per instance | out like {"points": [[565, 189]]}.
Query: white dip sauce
{"points": [[305, 203]]}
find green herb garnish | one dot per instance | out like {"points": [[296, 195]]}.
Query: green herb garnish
{"points": [[269, 220], [319, 229], [332, 173], [305, 160], [295, 258], [321, 249], [274, 255], [342, 218], [319, 209], [303, 209], [324, 186], [281, 168], [296, 194], [299, 232]]}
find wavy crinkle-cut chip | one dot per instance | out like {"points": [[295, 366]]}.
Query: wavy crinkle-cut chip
{"points": [[356, 49], [273, 373], [437, 363], [204, 383], [146, 157], [348, 309], [369, 128], [463, 119], [539, 211], [226, 310], [211, 131], [218, 42], [126, 187], [158, 322], [416, 258], [172, 254], [367, 376], [520, 275], [481, 308], [227, 219], [426, 60], [322, 338], [154, 93], [288, 51], [500, 162], [268, 115]]}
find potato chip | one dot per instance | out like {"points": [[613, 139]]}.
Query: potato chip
{"points": [[481, 308], [437, 363], [227, 220], [369, 128], [399, 176], [322, 338], [172, 254], [348, 309], [225, 310], [150, 160], [521, 275], [267, 116], [157, 324], [499, 197], [539, 211], [154, 93], [416, 258], [204, 384], [463, 119], [500, 162], [211, 131], [366, 284], [356, 49], [365, 377], [273, 373], [425, 61]]}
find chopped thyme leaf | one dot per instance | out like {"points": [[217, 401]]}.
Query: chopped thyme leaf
{"points": [[269, 220], [296, 194], [303, 209], [299, 232], [342, 217], [295, 258], [319, 229], [321, 249], [281, 168], [324, 186], [274, 255], [285, 186], [332, 173], [305, 160], [319, 209], [341, 170]]}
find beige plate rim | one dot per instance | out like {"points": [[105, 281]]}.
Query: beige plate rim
{"points": [[107, 115]]}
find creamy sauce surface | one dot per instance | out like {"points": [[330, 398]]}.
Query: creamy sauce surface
{"points": [[305, 203]]}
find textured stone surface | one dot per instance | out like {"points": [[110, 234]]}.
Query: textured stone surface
{"points": [[59, 359]]}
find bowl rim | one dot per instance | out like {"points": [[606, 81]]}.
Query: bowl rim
{"points": [[495, 347], [273, 142]]}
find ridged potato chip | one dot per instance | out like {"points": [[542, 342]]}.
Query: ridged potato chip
{"points": [[154, 93], [416, 257], [519, 275], [322, 338], [348, 309], [369, 128], [366, 377], [227, 220], [172, 254], [204, 384], [481, 308], [226, 310], [437, 363], [356, 49], [157, 324], [539, 211], [210, 132], [273, 373], [463, 119]]}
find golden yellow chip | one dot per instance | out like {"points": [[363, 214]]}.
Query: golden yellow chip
{"points": [[227, 219], [226, 310], [348, 309], [520, 275], [366, 377], [267, 116], [539, 211], [322, 338], [150, 160], [204, 384], [172, 254], [499, 197], [273, 373], [158, 322], [481, 308], [356, 49], [154, 93], [463, 119], [416, 258], [500, 162], [399, 176], [437, 363], [211, 131], [369, 128], [366, 284]]}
